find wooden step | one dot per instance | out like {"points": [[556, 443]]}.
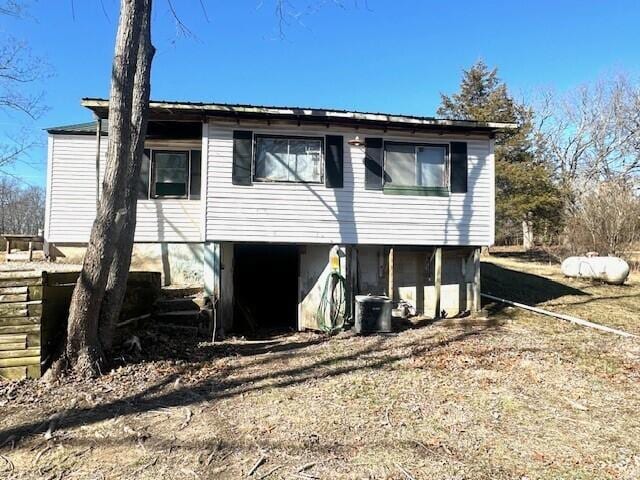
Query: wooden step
{"points": [[175, 304], [180, 292], [179, 317], [13, 338]]}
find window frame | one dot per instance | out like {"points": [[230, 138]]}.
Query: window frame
{"points": [[389, 188], [150, 194], [152, 171], [254, 158]]}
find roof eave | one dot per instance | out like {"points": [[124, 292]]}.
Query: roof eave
{"points": [[182, 110]]}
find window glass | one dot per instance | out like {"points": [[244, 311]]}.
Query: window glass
{"points": [[171, 174], [409, 165], [288, 160], [400, 165], [272, 159], [431, 163]]}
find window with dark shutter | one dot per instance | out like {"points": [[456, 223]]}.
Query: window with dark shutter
{"points": [[416, 169], [288, 159], [242, 157], [334, 161], [196, 176], [459, 167], [143, 178], [373, 173]]}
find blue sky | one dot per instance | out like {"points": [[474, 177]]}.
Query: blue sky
{"points": [[382, 55]]}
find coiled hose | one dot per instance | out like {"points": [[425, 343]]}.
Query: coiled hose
{"points": [[333, 305]]}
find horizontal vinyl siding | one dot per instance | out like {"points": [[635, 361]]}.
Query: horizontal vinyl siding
{"points": [[169, 220], [72, 198], [277, 212], [72, 188]]}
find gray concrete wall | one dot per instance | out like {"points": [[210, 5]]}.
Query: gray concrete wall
{"points": [[179, 263], [414, 277], [371, 276], [415, 282], [316, 264]]}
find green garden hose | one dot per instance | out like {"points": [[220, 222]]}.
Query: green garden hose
{"points": [[333, 299]]}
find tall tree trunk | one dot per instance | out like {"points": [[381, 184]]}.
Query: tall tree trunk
{"points": [[119, 271], [83, 350], [527, 234]]}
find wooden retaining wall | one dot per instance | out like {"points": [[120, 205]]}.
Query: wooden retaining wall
{"points": [[20, 314], [34, 307]]}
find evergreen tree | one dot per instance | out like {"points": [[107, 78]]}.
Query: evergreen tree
{"points": [[526, 196]]}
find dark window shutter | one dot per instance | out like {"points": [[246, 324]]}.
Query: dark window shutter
{"points": [[334, 161], [196, 175], [242, 149], [143, 178], [458, 167], [373, 172]]}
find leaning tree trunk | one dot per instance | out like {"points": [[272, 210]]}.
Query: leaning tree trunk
{"points": [[83, 350], [119, 271]]}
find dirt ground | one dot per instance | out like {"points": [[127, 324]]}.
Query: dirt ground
{"points": [[520, 397]]}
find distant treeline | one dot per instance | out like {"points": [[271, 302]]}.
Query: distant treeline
{"points": [[21, 207]]}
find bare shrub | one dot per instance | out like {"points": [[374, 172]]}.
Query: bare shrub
{"points": [[605, 219]]}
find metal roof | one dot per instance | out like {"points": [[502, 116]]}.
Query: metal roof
{"points": [[88, 128], [174, 110]]}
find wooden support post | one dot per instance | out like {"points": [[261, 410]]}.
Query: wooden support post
{"points": [[227, 293], [421, 280], [30, 250], [98, 139], [391, 286], [437, 276], [352, 280], [477, 305], [8, 249]]}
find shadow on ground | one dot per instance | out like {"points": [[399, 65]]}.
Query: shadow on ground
{"points": [[535, 255], [520, 287], [216, 382]]}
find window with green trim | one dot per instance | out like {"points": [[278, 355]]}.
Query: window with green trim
{"points": [[416, 168]]}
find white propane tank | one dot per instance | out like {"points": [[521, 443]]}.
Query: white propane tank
{"points": [[612, 270]]}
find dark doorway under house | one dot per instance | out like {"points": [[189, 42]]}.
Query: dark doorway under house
{"points": [[265, 284]]}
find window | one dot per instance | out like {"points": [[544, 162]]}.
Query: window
{"points": [[416, 168], [170, 174], [280, 159]]}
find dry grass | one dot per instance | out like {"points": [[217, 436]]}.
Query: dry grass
{"points": [[517, 277], [522, 397]]}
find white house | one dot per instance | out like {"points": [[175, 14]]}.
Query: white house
{"points": [[260, 205]]}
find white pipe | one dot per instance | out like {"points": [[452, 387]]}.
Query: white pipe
{"points": [[561, 316]]}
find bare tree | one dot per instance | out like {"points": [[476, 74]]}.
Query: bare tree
{"points": [[127, 128], [119, 270], [592, 133], [19, 69], [605, 219], [21, 207]]}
